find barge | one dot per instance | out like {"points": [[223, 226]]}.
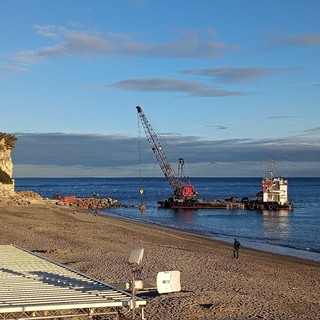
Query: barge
{"points": [[195, 203]]}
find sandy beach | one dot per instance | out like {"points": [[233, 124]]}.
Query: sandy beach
{"points": [[214, 285]]}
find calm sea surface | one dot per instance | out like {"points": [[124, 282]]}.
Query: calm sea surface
{"points": [[296, 233]]}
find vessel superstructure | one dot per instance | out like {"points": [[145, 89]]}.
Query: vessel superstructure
{"points": [[274, 194]]}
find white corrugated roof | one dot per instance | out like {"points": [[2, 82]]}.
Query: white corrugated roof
{"points": [[32, 283]]}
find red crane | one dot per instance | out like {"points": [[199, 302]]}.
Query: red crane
{"points": [[180, 188]]}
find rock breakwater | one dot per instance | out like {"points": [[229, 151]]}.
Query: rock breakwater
{"points": [[25, 198]]}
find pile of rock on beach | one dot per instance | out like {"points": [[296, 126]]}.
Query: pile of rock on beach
{"points": [[23, 198]]}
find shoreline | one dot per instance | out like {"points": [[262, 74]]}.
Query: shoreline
{"points": [[244, 244], [257, 246], [214, 285]]}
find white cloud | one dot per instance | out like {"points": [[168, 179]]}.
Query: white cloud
{"points": [[11, 69], [302, 39], [171, 85], [79, 44], [237, 75]]}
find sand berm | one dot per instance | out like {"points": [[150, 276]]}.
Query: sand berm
{"points": [[258, 285]]}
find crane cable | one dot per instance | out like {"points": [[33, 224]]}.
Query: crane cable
{"points": [[142, 207]]}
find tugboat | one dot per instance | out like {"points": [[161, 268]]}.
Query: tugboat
{"points": [[274, 194]]}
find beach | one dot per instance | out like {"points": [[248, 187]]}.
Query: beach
{"points": [[214, 285]]}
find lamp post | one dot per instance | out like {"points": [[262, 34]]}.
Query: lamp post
{"points": [[135, 261]]}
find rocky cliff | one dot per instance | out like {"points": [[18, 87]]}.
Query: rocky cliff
{"points": [[7, 143], [8, 196]]}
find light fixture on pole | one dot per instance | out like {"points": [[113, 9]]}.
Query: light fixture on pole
{"points": [[135, 261]]}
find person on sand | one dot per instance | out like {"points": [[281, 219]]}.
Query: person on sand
{"points": [[236, 247]]}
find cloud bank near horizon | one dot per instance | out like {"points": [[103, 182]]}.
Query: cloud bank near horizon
{"points": [[61, 154]]}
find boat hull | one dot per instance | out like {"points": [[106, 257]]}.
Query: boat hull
{"points": [[178, 203], [268, 206]]}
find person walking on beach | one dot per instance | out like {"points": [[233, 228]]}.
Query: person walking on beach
{"points": [[236, 247]]}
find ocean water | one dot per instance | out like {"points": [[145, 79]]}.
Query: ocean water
{"points": [[295, 233]]}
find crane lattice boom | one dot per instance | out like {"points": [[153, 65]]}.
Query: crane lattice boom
{"points": [[180, 188]]}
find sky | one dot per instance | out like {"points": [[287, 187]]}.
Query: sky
{"points": [[226, 84]]}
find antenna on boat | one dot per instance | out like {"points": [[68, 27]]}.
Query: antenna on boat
{"points": [[271, 168], [286, 159]]}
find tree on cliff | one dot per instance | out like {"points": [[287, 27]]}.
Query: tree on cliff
{"points": [[9, 140]]}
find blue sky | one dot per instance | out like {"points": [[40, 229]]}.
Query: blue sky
{"points": [[229, 84]]}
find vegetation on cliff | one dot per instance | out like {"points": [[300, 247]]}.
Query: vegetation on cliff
{"points": [[5, 178], [7, 143], [9, 140]]}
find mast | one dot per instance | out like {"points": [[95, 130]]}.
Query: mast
{"points": [[271, 168]]}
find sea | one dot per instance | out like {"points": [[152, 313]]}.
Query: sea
{"points": [[295, 233]]}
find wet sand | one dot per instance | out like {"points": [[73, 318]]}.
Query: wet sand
{"points": [[258, 285]]}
